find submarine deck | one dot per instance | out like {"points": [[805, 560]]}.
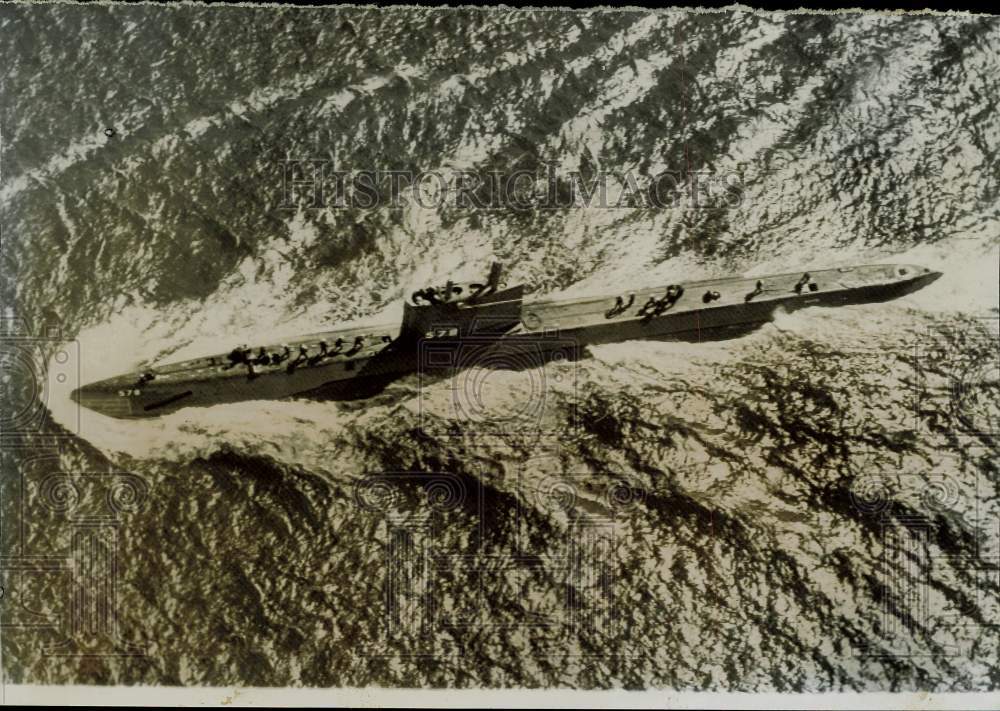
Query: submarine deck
{"points": [[586, 319]]}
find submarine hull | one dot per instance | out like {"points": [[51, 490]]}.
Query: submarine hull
{"points": [[504, 332]]}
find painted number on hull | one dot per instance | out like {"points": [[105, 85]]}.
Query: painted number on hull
{"points": [[442, 332]]}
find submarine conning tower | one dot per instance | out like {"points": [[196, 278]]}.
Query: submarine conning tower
{"points": [[463, 309]]}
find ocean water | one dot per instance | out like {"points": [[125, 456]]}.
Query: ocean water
{"points": [[811, 506]]}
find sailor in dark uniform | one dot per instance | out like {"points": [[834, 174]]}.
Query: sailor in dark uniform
{"points": [[324, 351], [240, 354], [621, 306], [235, 358], [359, 343], [301, 358], [648, 308], [243, 355], [285, 354]]}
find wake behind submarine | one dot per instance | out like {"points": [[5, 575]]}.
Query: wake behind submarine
{"points": [[463, 325]]}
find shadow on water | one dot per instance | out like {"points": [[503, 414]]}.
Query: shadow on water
{"points": [[452, 357]]}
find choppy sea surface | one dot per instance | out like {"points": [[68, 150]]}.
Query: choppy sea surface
{"points": [[812, 506]]}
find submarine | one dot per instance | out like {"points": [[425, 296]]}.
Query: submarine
{"points": [[487, 324]]}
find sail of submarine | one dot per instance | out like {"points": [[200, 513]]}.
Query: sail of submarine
{"points": [[462, 325]]}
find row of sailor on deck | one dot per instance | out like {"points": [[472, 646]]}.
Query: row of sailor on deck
{"points": [[653, 306], [656, 306], [243, 355]]}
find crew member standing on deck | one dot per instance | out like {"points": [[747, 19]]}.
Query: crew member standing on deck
{"points": [[238, 355]]}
